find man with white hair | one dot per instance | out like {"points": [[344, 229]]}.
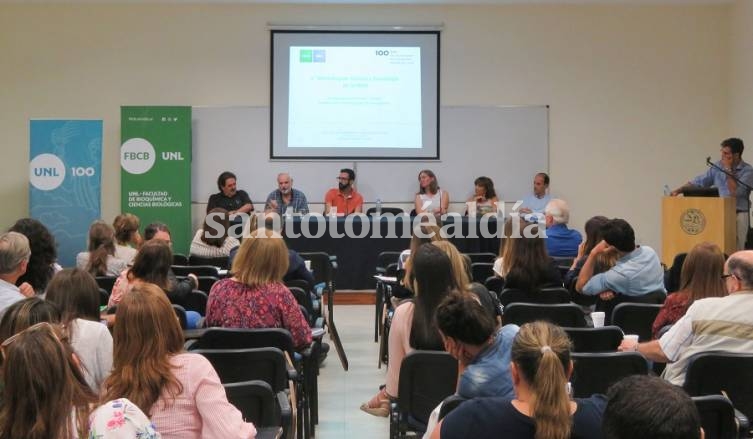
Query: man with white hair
{"points": [[284, 197], [14, 257], [561, 241]]}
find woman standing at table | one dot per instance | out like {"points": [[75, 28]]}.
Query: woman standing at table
{"points": [[430, 197], [255, 296]]}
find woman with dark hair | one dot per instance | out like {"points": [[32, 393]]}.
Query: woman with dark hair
{"points": [[484, 196], [526, 264], [100, 260], [430, 197], [212, 240], [542, 408], [413, 325], [701, 277], [76, 294], [593, 237], [179, 391], [43, 262], [152, 265], [127, 236], [25, 313], [45, 395]]}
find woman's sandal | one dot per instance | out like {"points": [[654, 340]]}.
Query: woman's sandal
{"points": [[379, 405]]}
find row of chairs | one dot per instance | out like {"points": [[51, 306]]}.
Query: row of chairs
{"points": [[220, 262]]}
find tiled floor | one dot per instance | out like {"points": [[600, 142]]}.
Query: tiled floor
{"points": [[340, 392]]}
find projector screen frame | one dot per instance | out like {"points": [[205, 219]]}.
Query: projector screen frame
{"points": [[434, 148]]}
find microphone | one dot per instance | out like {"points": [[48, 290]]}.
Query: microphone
{"points": [[708, 160]]}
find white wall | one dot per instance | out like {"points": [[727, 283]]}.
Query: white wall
{"points": [[741, 74], [639, 95]]}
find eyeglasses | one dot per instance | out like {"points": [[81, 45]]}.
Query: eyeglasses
{"points": [[725, 276], [36, 327]]}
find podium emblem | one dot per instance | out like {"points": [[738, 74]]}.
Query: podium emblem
{"points": [[692, 221]]}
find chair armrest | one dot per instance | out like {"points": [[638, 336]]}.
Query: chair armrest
{"points": [[189, 344], [283, 401], [743, 423]]}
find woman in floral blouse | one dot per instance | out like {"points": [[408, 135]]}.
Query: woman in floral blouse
{"points": [[255, 296]]}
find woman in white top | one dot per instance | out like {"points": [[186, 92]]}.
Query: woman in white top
{"points": [[100, 260], [127, 236], [76, 294], [430, 197], [484, 196], [212, 240]]}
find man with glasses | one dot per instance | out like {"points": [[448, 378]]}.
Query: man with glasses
{"points": [[733, 165], [714, 324], [344, 198]]}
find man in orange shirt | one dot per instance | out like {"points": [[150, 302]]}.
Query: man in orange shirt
{"points": [[344, 198]]}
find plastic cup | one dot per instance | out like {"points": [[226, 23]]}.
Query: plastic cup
{"points": [[598, 318], [631, 337], [307, 263]]}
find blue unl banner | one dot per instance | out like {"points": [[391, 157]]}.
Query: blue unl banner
{"points": [[64, 180]]}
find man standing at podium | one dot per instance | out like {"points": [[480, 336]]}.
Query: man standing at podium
{"points": [[726, 175]]}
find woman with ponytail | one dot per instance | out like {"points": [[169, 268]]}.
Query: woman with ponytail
{"points": [[542, 408], [100, 260]]}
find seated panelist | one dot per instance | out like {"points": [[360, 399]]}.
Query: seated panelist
{"points": [[484, 196], [284, 197], [430, 197], [229, 197], [344, 197]]}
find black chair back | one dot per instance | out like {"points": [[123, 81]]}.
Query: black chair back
{"points": [[298, 283], [481, 257], [256, 401], [196, 300], [232, 365], [672, 280], [104, 297], [198, 270], [608, 306], [604, 339], [562, 314], [321, 267], [636, 318], [206, 283], [106, 282], [384, 259], [449, 404], [595, 372], [304, 300], [480, 271], [545, 296], [240, 338], [495, 284], [179, 259], [715, 372], [426, 378], [220, 262], [717, 417], [181, 313]]}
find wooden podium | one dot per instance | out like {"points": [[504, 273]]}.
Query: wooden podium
{"points": [[686, 221]]}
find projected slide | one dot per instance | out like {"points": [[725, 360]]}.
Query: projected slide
{"points": [[354, 97]]}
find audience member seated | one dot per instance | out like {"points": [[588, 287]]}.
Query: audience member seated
{"points": [[152, 265], [179, 391], [212, 240], [604, 261], [45, 395], [720, 324], [536, 202], [701, 277], [344, 199], [525, 263], [647, 407], [430, 197], [637, 271], [120, 419], [285, 196], [413, 325], [255, 296], [484, 197], [25, 313], [14, 258], [76, 294], [423, 233], [230, 198], [127, 236], [542, 408], [504, 239], [471, 335], [158, 231], [461, 268], [43, 262], [100, 260], [561, 241]]}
